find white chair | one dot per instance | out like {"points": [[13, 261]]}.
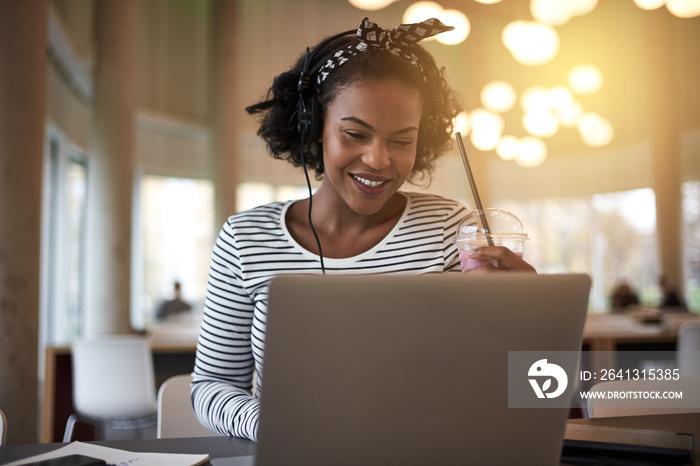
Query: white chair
{"points": [[688, 351], [113, 383], [3, 428], [689, 386], [176, 416]]}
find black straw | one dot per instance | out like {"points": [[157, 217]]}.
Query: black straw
{"points": [[472, 183]]}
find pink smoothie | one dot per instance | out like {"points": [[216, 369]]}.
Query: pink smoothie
{"points": [[468, 263]]}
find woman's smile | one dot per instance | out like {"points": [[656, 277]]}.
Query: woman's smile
{"points": [[370, 184]]}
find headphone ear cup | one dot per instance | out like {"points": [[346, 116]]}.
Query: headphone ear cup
{"points": [[316, 126], [304, 117]]}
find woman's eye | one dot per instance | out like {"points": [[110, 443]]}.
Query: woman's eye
{"points": [[355, 135], [403, 142]]}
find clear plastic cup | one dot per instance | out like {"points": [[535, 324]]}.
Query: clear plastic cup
{"points": [[505, 229]]}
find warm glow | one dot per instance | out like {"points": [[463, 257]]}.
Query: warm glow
{"points": [[558, 12], [487, 2], [585, 79], [531, 43], [420, 11], [371, 5], [684, 8], [569, 116], [540, 122], [498, 96], [508, 148], [649, 4], [553, 12], [535, 97], [486, 129], [560, 98], [595, 130], [460, 124], [582, 7], [459, 22], [533, 151]]}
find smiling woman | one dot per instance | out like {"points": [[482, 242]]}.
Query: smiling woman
{"points": [[367, 111]]}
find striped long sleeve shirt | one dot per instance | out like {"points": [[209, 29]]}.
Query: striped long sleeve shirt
{"points": [[252, 248]]}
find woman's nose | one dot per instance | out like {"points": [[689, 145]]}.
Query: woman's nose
{"points": [[377, 157]]}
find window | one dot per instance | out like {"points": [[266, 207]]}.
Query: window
{"points": [[66, 185], [249, 195], [610, 236], [176, 232], [691, 243]]}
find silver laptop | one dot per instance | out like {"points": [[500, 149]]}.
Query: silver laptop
{"points": [[398, 369]]}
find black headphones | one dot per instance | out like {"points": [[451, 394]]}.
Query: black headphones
{"points": [[308, 120]]}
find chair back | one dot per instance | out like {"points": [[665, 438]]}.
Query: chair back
{"points": [[176, 416], [689, 349], [3, 428], [601, 407], [113, 377]]}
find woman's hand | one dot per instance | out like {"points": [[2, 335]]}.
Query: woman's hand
{"points": [[507, 260]]}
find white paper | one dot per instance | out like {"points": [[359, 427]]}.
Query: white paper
{"points": [[117, 457]]}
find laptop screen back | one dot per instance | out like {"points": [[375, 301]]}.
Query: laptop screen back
{"points": [[399, 369]]}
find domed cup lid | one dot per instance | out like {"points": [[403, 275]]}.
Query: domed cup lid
{"points": [[499, 221]]}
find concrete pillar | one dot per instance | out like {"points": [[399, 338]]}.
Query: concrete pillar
{"points": [[23, 27], [225, 105], [665, 139], [111, 169]]}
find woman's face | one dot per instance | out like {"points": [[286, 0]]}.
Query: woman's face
{"points": [[370, 137]]}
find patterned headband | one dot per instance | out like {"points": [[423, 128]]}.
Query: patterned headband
{"points": [[397, 42]]}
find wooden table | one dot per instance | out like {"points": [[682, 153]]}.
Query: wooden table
{"points": [[606, 333], [685, 423]]}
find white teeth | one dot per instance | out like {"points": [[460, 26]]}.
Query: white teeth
{"points": [[366, 182]]}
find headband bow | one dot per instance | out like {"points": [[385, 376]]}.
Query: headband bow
{"points": [[396, 41], [402, 35]]}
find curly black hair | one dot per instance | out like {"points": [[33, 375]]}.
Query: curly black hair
{"points": [[279, 109]]}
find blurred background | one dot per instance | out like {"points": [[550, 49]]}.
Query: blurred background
{"points": [[124, 144]]}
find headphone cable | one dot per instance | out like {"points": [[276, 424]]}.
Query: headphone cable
{"points": [[311, 223]]}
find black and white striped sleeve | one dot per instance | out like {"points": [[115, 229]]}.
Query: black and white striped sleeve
{"points": [[224, 365]]}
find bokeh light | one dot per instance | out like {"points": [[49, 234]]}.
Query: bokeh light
{"points": [[508, 148], [533, 152], [535, 97], [540, 122], [553, 12], [487, 2], [486, 129], [559, 98], [371, 5], [459, 22], [649, 4], [420, 11], [531, 43], [498, 96], [460, 124], [558, 12], [684, 8], [585, 79], [595, 130], [569, 116], [582, 7]]}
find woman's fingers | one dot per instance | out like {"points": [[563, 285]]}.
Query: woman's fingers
{"points": [[505, 258]]}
